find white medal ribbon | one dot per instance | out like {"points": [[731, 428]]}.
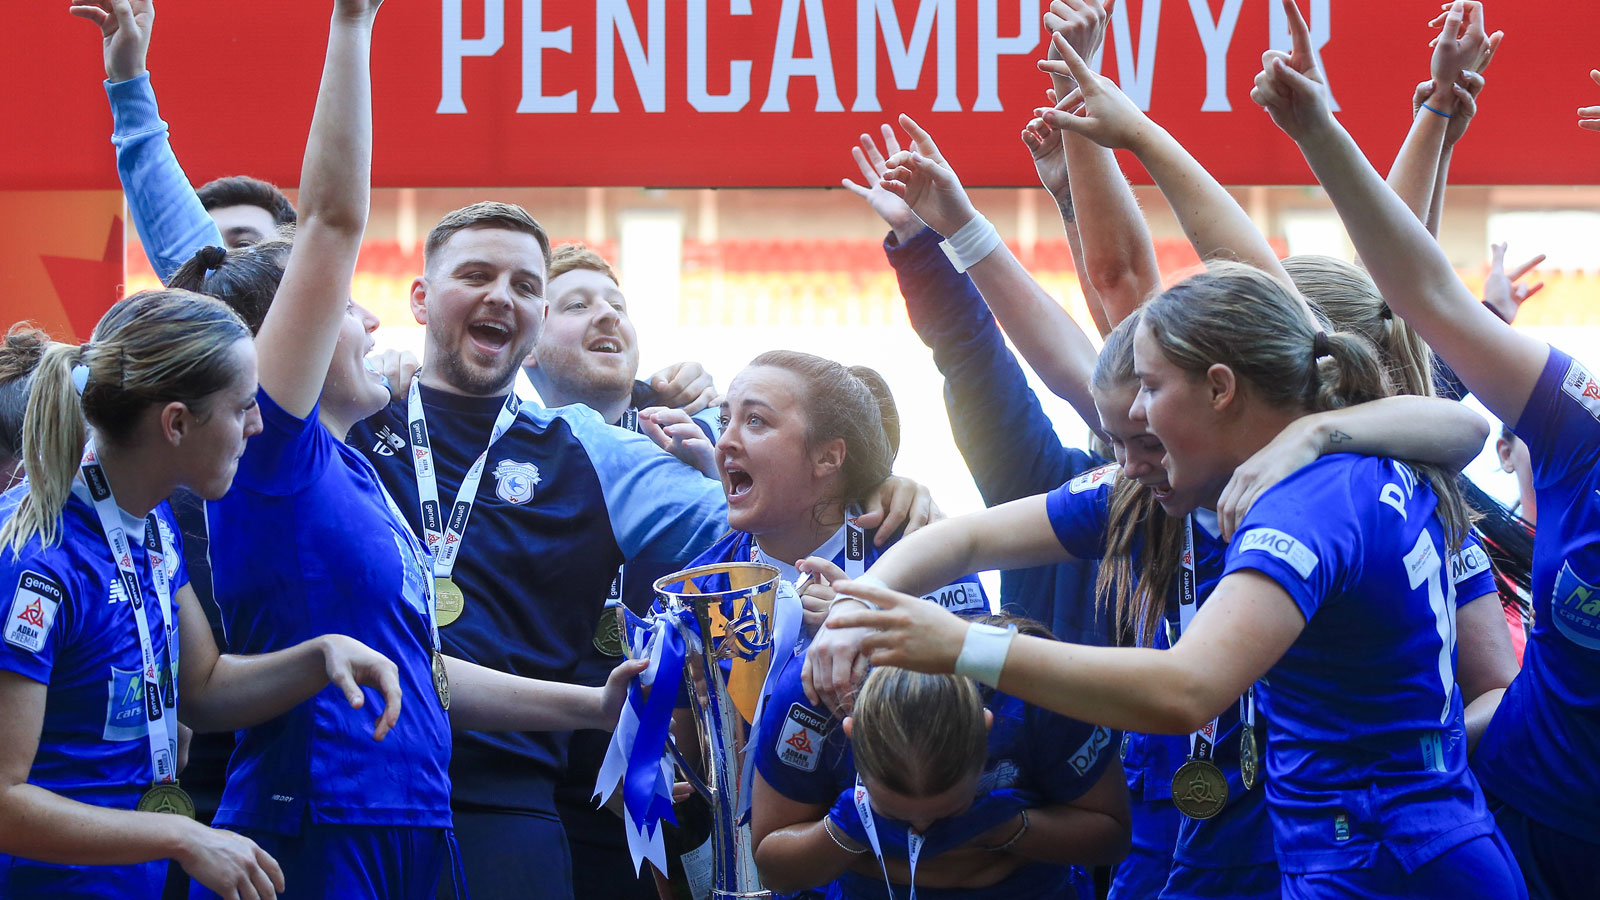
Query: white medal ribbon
{"points": [[444, 536], [157, 708], [914, 840], [1203, 742], [430, 600]]}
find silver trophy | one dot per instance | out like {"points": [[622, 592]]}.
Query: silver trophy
{"points": [[734, 626]]}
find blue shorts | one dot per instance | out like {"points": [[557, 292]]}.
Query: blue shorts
{"points": [[1556, 865], [1144, 870], [335, 862], [1233, 882], [1482, 867], [512, 855], [24, 879]]}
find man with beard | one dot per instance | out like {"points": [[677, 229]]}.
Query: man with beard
{"points": [[529, 513]]}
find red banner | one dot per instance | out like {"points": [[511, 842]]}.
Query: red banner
{"points": [[766, 92]]}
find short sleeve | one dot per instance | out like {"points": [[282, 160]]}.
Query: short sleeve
{"points": [[1078, 511], [172, 538], [1069, 756], [1471, 572], [288, 454], [800, 745], [37, 601], [1561, 421], [1301, 533]]}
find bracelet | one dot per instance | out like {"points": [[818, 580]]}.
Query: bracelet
{"points": [[983, 652], [1014, 838], [827, 826], [1436, 112], [971, 243]]}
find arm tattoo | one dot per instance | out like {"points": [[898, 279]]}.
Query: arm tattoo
{"points": [[1339, 437]]}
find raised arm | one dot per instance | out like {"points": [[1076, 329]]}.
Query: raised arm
{"points": [[1049, 340], [171, 222], [1423, 164], [1118, 256], [296, 340], [1420, 429], [1497, 363], [1213, 221]]}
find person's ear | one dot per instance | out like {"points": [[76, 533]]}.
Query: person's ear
{"points": [[176, 421], [849, 723], [1502, 450], [1222, 386], [988, 719], [419, 299], [828, 457]]}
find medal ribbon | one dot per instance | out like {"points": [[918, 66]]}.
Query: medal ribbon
{"points": [[445, 536], [431, 600], [914, 840], [159, 706], [1203, 742]]}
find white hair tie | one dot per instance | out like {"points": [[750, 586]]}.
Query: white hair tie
{"points": [[80, 378]]}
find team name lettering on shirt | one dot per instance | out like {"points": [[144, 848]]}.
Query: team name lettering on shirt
{"points": [[33, 611], [1284, 547]]}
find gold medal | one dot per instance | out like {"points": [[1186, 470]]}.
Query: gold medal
{"points": [[441, 679], [448, 601], [1249, 758], [1199, 790], [608, 632], [167, 798]]}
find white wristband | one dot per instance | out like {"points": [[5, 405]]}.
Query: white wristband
{"points": [[971, 243], [870, 581], [983, 652]]}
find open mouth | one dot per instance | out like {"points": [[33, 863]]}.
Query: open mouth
{"points": [[739, 482], [490, 335], [605, 345]]}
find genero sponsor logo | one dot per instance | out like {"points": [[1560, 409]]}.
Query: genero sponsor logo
{"points": [[1088, 481], [1283, 546], [33, 611], [800, 742], [1582, 388]]}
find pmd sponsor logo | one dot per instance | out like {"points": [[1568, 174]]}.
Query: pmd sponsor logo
{"points": [[1283, 546], [1084, 758]]}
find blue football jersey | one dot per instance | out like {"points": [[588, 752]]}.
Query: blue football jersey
{"points": [[1538, 753], [1366, 747], [305, 544], [565, 499], [805, 756], [69, 626], [1240, 834]]}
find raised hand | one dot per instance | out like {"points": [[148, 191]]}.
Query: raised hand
{"points": [[1466, 88], [124, 31], [676, 433], [1502, 290], [927, 184], [1098, 109], [1291, 87], [1461, 45], [885, 203], [1049, 154], [686, 386], [899, 502], [1082, 23], [1589, 116], [905, 631], [350, 665]]}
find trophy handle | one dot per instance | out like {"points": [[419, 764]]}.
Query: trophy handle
{"points": [[688, 770]]}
